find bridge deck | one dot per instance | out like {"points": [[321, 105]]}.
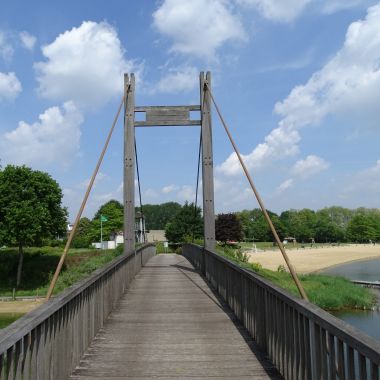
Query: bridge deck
{"points": [[170, 325]]}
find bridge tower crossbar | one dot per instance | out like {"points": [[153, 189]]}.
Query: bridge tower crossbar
{"points": [[156, 116]]}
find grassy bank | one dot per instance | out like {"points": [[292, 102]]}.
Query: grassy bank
{"points": [[8, 318], [40, 264], [328, 292]]}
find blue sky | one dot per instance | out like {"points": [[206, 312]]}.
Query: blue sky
{"points": [[298, 82]]}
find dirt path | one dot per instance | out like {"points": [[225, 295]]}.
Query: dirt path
{"points": [[18, 306], [311, 260]]}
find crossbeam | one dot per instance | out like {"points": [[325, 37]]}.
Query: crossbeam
{"points": [[167, 116]]}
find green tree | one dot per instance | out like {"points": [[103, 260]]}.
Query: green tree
{"points": [[299, 224], [82, 238], [255, 227], [362, 228], [114, 212], [30, 209], [157, 216], [327, 229], [187, 223], [228, 227]]}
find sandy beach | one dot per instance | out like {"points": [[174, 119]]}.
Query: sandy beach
{"points": [[18, 306], [309, 260]]}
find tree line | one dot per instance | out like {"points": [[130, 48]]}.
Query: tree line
{"points": [[32, 214], [157, 217], [330, 224]]}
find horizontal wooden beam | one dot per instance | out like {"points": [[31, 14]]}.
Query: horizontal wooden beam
{"points": [[168, 108], [167, 123], [162, 116]]}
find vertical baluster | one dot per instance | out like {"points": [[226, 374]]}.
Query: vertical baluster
{"points": [[324, 369], [18, 360], [283, 337], [40, 351], [2, 366], [308, 351], [269, 325], [297, 344], [277, 332], [374, 371], [332, 363], [341, 362], [351, 363], [315, 346], [9, 375], [46, 349], [286, 341], [362, 367], [302, 348]]}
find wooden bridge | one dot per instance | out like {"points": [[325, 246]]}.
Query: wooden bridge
{"points": [[196, 316], [170, 324]]}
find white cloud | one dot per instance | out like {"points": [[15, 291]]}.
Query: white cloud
{"points": [[349, 84], [52, 139], [281, 142], [348, 81], [277, 10], [232, 194], [10, 86], [6, 49], [310, 166], [169, 189], [180, 79], [285, 185], [198, 27], [85, 64], [27, 40]]}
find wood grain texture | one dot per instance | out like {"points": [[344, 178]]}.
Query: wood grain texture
{"points": [[207, 164], [129, 164], [170, 325]]}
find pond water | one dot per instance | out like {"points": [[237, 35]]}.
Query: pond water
{"points": [[364, 320], [8, 318], [369, 270]]}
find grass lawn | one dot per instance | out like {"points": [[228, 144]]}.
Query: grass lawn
{"points": [[39, 266], [328, 292], [8, 318]]}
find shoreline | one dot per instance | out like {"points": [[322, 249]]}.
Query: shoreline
{"points": [[314, 260], [343, 263]]}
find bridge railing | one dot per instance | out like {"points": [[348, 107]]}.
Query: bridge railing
{"points": [[302, 340], [49, 342]]}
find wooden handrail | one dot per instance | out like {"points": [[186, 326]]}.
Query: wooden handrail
{"points": [[320, 329], [48, 334]]}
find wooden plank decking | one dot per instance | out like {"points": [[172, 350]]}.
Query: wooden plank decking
{"points": [[170, 325]]}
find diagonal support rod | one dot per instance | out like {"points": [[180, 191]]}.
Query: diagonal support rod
{"points": [[89, 187], [261, 203]]}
